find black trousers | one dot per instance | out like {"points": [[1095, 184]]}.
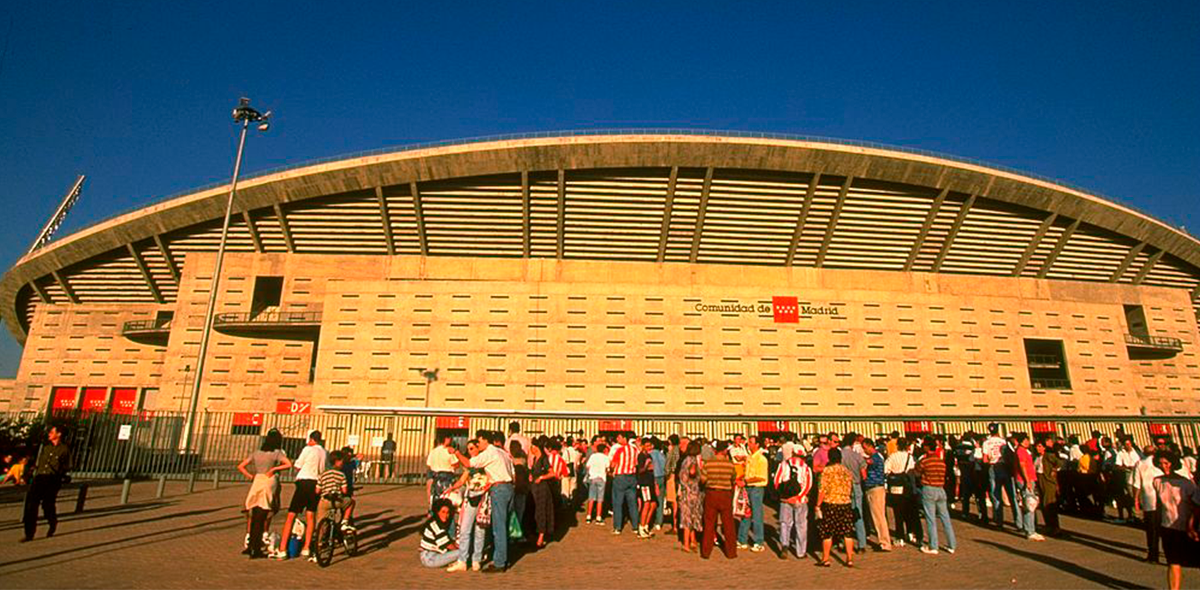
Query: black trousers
{"points": [[43, 492], [258, 522], [1050, 514], [1150, 520]]}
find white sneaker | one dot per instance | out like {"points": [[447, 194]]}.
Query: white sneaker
{"points": [[304, 553], [313, 559], [599, 521], [742, 546], [458, 566], [658, 527], [757, 548], [929, 551], [348, 527], [950, 551], [898, 542], [277, 554], [246, 542], [616, 532], [1036, 537], [589, 520], [476, 567]]}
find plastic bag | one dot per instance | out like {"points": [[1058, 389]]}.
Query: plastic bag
{"points": [[741, 503], [1031, 501], [514, 527]]}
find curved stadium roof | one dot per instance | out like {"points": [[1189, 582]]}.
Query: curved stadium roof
{"points": [[670, 196]]}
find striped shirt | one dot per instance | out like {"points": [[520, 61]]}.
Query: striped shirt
{"points": [[558, 465], [932, 470], [804, 475], [331, 483], [718, 473], [624, 459], [435, 538]]}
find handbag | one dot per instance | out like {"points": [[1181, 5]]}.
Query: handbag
{"points": [[483, 518]]}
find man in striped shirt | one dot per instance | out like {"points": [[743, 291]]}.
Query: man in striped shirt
{"points": [[932, 472], [793, 509], [624, 487], [718, 477]]}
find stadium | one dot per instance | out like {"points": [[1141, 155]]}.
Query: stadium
{"points": [[667, 280]]}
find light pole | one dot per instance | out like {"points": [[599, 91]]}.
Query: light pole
{"points": [[244, 114]]}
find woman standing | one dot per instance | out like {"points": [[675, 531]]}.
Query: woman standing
{"points": [[1047, 480], [520, 482], [262, 502], [688, 496], [836, 517], [545, 478]]}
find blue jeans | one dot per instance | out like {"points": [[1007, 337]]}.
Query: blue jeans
{"points": [[467, 531], [435, 559], [662, 499], [756, 517], [860, 525], [502, 497], [1002, 480], [1028, 522], [624, 492], [934, 500], [793, 515]]}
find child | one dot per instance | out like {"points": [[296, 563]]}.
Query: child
{"points": [[437, 546], [16, 473], [597, 476], [647, 488], [333, 488]]}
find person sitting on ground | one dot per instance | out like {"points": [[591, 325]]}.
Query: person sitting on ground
{"points": [[438, 548]]}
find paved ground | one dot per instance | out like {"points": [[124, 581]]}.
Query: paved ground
{"points": [[194, 540]]}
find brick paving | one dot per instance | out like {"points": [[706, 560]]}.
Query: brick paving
{"points": [[193, 541]]}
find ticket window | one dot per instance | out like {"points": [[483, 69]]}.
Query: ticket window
{"points": [[458, 437]]}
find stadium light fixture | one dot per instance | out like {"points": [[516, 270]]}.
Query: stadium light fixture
{"points": [[244, 114]]}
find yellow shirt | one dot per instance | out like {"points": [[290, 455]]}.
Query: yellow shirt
{"points": [[756, 469], [17, 472]]}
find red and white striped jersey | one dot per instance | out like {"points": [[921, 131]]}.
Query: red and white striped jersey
{"points": [[803, 474], [624, 459], [558, 465]]}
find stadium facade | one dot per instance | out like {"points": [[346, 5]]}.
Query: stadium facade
{"points": [[624, 276]]}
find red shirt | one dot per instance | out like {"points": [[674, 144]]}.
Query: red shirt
{"points": [[624, 459]]}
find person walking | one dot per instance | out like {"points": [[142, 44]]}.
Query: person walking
{"points": [[49, 473], [875, 489], [689, 497], [756, 470], [262, 501], [793, 481], [932, 473], [1178, 505], [835, 512], [718, 476]]}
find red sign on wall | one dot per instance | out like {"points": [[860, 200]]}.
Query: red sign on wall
{"points": [[285, 406], [1160, 429], [772, 426], [247, 419], [1045, 427], [64, 398], [918, 427], [616, 425], [124, 400], [786, 310], [452, 422], [95, 399]]}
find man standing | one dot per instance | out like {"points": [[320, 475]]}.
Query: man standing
{"points": [[1146, 502], [573, 458], [856, 464], [932, 472], [387, 457], [793, 480], [53, 463], [718, 476], [514, 433], [1124, 466], [497, 465], [874, 487], [310, 463], [623, 464], [756, 486], [1000, 460]]}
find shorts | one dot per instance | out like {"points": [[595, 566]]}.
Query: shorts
{"points": [[305, 498], [596, 490], [647, 494], [1179, 549]]}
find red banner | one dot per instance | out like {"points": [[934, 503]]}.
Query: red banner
{"points": [[95, 399], [452, 422], [287, 406], [247, 419], [1045, 427], [1160, 429], [64, 398], [772, 426], [616, 425], [918, 427], [124, 400], [786, 310]]}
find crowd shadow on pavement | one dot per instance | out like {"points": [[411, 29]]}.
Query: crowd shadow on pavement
{"points": [[115, 510], [1063, 565], [378, 533]]}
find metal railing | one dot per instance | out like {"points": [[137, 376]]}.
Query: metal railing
{"points": [[157, 324], [271, 318], [1158, 342], [636, 131], [1040, 383], [1042, 361]]}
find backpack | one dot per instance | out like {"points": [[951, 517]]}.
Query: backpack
{"points": [[791, 487], [901, 483]]}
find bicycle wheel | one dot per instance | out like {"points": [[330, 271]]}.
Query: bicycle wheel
{"points": [[325, 543], [350, 541]]}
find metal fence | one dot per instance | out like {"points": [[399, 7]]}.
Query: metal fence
{"points": [[146, 444]]}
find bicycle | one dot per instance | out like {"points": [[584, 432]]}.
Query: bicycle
{"points": [[330, 533]]}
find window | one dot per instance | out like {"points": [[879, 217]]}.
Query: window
{"points": [[1047, 362], [1135, 319], [268, 291]]}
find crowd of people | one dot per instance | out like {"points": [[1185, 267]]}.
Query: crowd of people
{"points": [[858, 492]]}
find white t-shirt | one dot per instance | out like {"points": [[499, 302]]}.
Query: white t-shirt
{"points": [[570, 455], [495, 463], [311, 462], [1143, 482], [597, 466], [441, 459], [993, 448]]}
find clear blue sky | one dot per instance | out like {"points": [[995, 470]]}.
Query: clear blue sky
{"points": [[137, 94]]}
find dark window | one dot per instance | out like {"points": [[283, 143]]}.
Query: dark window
{"points": [[268, 291], [1135, 319], [1047, 361]]}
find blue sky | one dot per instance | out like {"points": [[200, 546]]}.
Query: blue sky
{"points": [[137, 94]]}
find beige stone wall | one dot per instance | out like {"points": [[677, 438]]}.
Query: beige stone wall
{"points": [[586, 337]]}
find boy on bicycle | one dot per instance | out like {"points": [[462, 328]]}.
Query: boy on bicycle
{"points": [[335, 494]]}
